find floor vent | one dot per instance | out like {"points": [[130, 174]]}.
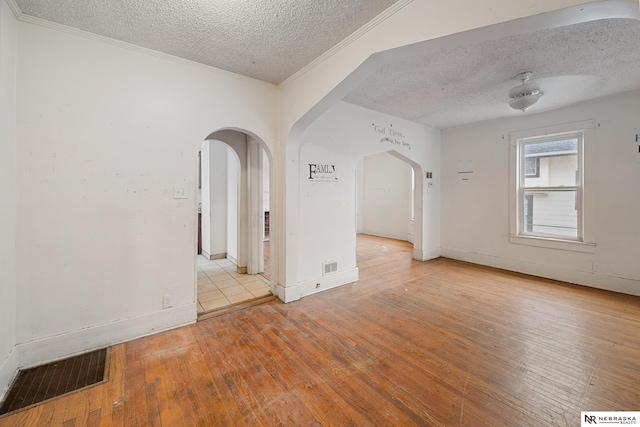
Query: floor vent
{"points": [[330, 267], [34, 386]]}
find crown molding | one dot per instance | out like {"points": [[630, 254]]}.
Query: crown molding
{"points": [[347, 41], [139, 49], [14, 8], [223, 73]]}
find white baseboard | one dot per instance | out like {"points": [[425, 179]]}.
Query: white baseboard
{"points": [[426, 254], [8, 371], [330, 281], [212, 257], [309, 287], [69, 344], [396, 236], [288, 293], [554, 272]]}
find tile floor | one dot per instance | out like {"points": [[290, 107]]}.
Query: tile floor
{"points": [[219, 285]]}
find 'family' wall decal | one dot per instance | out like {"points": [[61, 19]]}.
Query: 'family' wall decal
{"points": [[322, 173]]}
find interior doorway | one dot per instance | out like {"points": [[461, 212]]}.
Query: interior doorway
{"points": [[231, 207], [386, 197]]}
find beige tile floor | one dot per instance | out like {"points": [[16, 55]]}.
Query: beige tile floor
{"points": [[219, 285]]}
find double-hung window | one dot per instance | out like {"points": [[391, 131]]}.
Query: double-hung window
{"points": [[548, 191], [550, 187]]}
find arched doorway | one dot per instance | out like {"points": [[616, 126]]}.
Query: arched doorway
{"points": [[231, 204], [386, 203]]}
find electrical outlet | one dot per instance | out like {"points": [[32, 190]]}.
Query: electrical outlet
{"points": [[179, 193], [595, 267], [167, 301]]}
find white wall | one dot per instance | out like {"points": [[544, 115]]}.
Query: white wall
{"points": [[340, 137], [215, 209], [232, 204], [8, 43], [384, 205], [105, 134], [205, 197], [475, 213]]}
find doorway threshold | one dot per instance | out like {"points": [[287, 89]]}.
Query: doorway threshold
{"points": [[236, 307]]}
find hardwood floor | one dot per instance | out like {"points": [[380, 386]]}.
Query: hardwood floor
{"points": [[440, 343]]}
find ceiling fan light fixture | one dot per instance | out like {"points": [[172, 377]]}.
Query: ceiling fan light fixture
{"points": [[522, 97]]}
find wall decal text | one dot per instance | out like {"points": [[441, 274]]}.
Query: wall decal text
{"points": [[322, 172], [389, 135]]}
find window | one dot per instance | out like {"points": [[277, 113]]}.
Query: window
{"points": [[550, 189], [550, 186]]}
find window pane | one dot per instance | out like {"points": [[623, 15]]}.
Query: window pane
{"points": [[528, 213], [556, 163], [531, 168], [551, 213]]}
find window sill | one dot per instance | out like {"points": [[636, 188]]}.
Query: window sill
{"points": [[565, 245]]}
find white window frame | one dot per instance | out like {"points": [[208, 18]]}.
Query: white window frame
{"points": [[517, 140]]}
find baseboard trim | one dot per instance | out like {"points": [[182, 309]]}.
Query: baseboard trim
{"points": [[8, 372], [69, 344], [330, 281], [212, 257], [218, 256], [426, 254], [288, 294], [308, 287], [396, 236], [563, 274]]}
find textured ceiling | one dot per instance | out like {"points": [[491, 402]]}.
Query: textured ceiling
{"points": [[268, 40], [471, 83]]}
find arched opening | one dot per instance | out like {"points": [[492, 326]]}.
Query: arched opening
{"points": [[232, 230], [386, 204], [327, 214], [384, 197]]}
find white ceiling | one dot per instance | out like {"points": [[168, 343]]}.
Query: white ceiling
{"points": [[268, 40], [272, 40], [470, 84]]}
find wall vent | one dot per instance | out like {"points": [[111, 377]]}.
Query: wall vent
{"points": [[330, 267]]}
